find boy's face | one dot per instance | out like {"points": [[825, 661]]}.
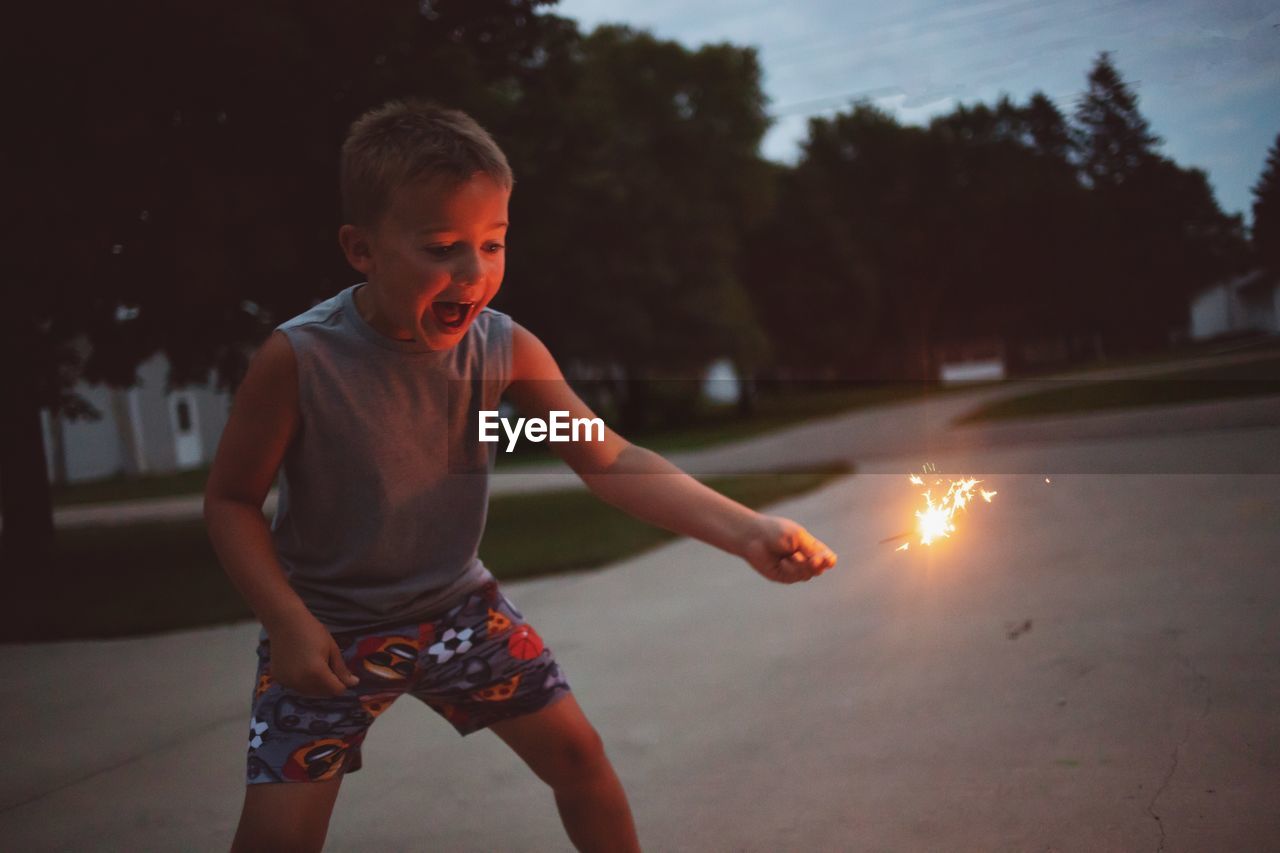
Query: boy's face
{"points": [[434, 259]]}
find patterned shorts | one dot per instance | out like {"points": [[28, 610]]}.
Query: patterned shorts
{"points": [[475, 665]]}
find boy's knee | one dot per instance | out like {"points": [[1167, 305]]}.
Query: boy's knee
{"points": [[288, 817], [576, 759]]}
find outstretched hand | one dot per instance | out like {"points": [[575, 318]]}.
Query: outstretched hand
{"points": [[785, 552]]}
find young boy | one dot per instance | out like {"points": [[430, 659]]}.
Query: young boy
{"points": [[367, 582]]}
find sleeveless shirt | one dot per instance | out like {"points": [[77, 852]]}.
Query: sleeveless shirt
{"points": [[385, 487]]}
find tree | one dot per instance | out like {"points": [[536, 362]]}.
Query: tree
{"points": [[1157, 232], [805, 271], [1266, 212], [637, 174], [888, 186], [1015, 262], [890, 240], [177, 183], [1117, 147], [1114, 136], [1047, 130]]}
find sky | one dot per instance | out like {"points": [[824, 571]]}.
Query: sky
{"points": [[1207, 73]]}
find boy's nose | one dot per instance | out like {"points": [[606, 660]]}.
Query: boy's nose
{"points": [[467, 269]]}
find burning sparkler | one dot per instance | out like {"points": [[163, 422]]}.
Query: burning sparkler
{"points": [[937, 519]]}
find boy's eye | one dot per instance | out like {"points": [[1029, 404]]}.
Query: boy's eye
{"points": [[443, 251]]}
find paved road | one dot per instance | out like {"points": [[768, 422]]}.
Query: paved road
{"points": [[1091, 663]]}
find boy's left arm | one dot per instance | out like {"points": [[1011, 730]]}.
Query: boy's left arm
{"points": [[650, 488]]}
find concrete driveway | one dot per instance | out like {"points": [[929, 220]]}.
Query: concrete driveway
{"points": [[1091, 663]]}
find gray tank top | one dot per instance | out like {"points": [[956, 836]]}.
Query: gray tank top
{"points": [[385, 488]]}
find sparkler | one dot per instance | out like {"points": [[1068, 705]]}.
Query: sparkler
{"points": [[937, 519]]}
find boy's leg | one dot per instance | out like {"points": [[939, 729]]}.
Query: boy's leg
{"points": [[564, 750], [291, 817], [301, 746]]}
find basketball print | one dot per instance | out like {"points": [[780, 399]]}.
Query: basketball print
{"points": [[525, 644]]}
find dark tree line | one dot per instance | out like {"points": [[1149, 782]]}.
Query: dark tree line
{"points": [[173, 176], [173, 171], [1010, 222]]}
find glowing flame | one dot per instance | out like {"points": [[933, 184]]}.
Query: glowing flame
{"points": [[937, 519]]}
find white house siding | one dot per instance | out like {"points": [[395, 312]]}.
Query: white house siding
{"points": [[92, 448], [720, 384], [137, 417], [214, 407], [209, 416], [1247, 303], [158, 448], [1210, 313]]}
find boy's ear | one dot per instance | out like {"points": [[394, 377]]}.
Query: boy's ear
{"points": [[356, 245]]}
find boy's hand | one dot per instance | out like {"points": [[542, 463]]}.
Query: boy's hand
{"points": [[785, 552], [306, 659]]}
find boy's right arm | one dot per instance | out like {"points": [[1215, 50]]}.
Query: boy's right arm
{"points": [[263, 421]]}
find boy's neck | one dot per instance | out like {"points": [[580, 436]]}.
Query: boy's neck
{"points": [[365, 307]]}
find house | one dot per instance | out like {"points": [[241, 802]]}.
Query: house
{"points": [[975, 359], [143, 430], [1246, 303], [720, 383]]}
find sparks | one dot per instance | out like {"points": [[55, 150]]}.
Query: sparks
{"points": [[937, 519]]}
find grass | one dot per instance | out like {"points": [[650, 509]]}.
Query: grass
{"points": [[1252, 342], [1227, 381], [147, 578], [782, 410], [127, 488], [721, 425]]}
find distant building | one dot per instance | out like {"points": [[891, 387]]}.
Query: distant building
{"points": [[1246, 303], [977, 359], [142, 430], [720, 382]]}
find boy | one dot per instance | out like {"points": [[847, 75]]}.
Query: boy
{"points": [[367, 582]]}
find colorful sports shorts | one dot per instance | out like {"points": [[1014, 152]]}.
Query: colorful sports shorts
{"points": [[476, 664]]}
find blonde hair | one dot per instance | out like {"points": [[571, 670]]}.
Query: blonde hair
{"points": [[404, 141]]}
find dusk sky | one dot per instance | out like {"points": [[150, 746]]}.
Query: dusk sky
{"points": [[1207, 73]]}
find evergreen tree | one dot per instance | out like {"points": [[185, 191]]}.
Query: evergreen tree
{"points": [[1118, 160], [1115, 138], [1266, 212]]}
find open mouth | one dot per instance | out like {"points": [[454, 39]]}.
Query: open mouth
{"points": [[452, 315]]}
